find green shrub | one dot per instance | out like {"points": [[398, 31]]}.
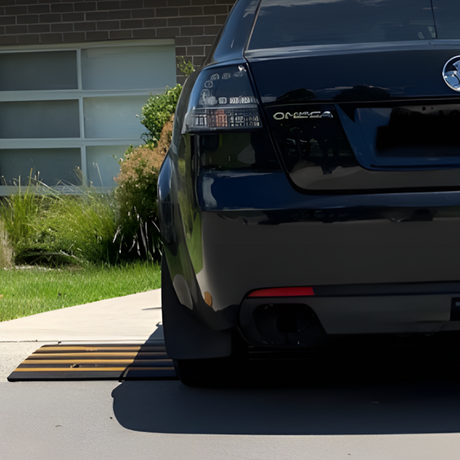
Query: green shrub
{"points": [[19, 214], [51, 229], [185, 67], [136, 196], [79, 228], [160, 107], [157, 111]]}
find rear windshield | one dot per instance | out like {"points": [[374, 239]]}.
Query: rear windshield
{"points": [[283, 23], [447, 18]]}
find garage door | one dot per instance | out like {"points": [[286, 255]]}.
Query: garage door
{"points": [[68, 114]]}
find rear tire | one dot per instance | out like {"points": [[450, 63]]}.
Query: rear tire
{"points": [[213, 372]]}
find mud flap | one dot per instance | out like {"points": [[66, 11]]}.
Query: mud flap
{"points": [[185, 337]]}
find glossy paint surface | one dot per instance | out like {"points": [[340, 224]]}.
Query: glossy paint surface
{"points": [[316, 198], [340, 119]]}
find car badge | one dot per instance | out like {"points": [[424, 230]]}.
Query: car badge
{"points": [[451, 73], [296, 115]]}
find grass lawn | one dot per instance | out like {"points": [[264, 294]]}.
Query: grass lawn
{"points": [[27, 291]]}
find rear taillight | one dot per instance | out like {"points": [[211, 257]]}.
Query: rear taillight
{"points": [[222, 99]]}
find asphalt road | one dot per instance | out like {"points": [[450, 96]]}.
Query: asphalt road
{"points": [[361, 418]]}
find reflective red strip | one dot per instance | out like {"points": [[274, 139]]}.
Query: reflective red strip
{"points": [[283, 292]]}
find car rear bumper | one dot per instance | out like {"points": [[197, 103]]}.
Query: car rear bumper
{"points": [[246, 251], [370, 276]]}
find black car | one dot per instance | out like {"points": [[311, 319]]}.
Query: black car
{"points": [[312, 188]]}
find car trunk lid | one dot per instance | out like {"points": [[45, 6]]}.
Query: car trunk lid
{"points": [[349, 121]]}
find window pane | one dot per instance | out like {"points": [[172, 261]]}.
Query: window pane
{"points": [[52, 166], [137, 67], [38, 71], [113, 117], [102, 164], [39, 119], [319, 22]]}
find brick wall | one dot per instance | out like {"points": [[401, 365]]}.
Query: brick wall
{"points": [[193, 23]]}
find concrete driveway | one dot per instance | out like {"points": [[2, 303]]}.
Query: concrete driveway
{"points": [[391, 419]]}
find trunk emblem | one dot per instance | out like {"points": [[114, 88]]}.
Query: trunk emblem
{"points": [[297, 115], [451, 73]]}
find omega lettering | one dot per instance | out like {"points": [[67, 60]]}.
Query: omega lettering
{"points": [[297, 115]]}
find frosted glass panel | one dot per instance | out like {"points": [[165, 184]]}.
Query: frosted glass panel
{"points": [[39, 119], [54, 98], [102, 166], [55, 166], [135, 67], [113, 117], [38, 71]]}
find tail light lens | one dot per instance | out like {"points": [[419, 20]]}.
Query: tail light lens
{"points": [[283, 292], [222, 99]]}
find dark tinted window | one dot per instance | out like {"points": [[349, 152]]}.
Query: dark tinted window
{"points": [[319, 22], [447, 17]]}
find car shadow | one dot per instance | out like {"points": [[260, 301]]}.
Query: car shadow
{"points": [[157, 335], [272, 399]]}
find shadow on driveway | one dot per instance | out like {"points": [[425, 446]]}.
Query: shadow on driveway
{"points": [[355, 399]]}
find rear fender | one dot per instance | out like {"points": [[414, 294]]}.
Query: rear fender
{"points": [[175, 251]]}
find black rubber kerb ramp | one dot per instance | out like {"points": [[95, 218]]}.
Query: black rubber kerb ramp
{"points": [[96, 362]]}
